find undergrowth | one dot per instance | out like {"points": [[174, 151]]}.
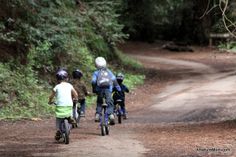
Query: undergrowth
{"points": [[49, 34]]}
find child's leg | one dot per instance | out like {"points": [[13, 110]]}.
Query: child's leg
{"points": [[82, 105], [99, 106], [58, 122], [122, 105], [58, 132], [109, 102], [99, 103], [123, 109]]}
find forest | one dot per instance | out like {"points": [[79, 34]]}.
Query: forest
{"points": [[39, 36]]}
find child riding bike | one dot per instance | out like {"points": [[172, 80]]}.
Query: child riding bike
{"points": [[103, 81], [80, 89], [64, 93], [120, 96]]}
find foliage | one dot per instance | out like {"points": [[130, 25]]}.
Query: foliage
{"points": [[132, 80], [107, 19], [128, 62], [45, 35], [229, 46], [143, 19], [182, 20], [21, 96]]}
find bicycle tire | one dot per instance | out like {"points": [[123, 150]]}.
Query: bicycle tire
{"points": [[107, 129], [119, 118], [103, 130]]}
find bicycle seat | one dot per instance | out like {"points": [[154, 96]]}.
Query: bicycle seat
{"points": [[104, 105], [118, 100]]}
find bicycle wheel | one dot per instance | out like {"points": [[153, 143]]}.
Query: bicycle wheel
{"points": [[107, 129], [119, 118], [66, 131], [103, 130]]}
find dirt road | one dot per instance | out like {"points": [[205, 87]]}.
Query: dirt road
{"points": [[185, 108]]}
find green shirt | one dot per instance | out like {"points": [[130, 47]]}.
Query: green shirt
{"points": [[63, 111]]}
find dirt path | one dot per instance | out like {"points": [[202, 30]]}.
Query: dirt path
{"points": [[206, 97], [193, 116], [185, 108]]}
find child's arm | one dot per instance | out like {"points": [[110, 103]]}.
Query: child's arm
{"points": [[51, 97], [126, 89], [74, 94]]}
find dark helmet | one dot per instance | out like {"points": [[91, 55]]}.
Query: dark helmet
{"points": [[77, 74], [61, 75], [120, 77]]}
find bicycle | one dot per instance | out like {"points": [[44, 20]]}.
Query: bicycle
{"points": [[104, 120], [118, 111], [64, 128]]}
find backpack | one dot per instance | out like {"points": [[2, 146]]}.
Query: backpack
{"points": [[104, 78]]}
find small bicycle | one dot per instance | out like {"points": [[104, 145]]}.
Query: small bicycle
{"points": [[104, 120], [65, 128], [118, 111]]}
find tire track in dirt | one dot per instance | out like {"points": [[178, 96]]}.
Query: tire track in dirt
{"points": [[202, 99], [198, 98]]}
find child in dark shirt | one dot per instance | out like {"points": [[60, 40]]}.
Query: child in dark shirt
{"points": [[80, 89], [121, 95]]}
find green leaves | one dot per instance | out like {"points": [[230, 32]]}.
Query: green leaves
{"points": [[48, 34]]}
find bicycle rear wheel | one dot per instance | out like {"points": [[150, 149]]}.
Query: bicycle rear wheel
{"points": [[103, 130], [107, 129], [119, 118]]}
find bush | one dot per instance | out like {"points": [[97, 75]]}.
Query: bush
{"points": [[46, 35], [21, 94]]}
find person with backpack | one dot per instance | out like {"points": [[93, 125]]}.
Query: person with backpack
{"points": [[65, 95], [103, 81], [120, 95], [80, 89]]}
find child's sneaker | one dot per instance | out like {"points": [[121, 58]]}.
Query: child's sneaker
{"points": [[58, 135], [112, 119], [125, 116], [97, 117]]}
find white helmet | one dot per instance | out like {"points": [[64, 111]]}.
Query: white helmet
{"points": [[100, 62]]}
